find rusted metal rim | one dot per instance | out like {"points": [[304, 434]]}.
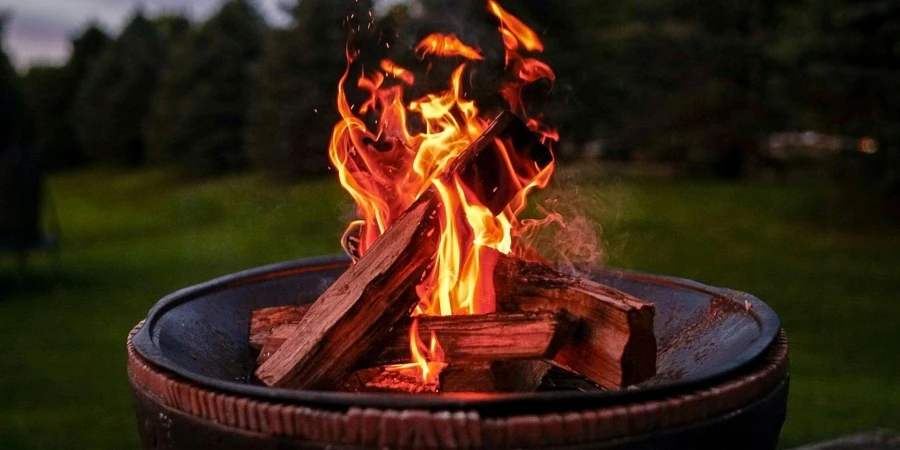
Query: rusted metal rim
{"points": [[147, 345], [450, 428]]}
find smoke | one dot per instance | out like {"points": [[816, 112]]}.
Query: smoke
{"points": [[567, 230]]}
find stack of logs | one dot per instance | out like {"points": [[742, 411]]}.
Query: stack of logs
{"points": [[361, 322]]}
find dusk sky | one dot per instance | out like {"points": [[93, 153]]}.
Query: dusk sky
{"points": [[39, 30]]}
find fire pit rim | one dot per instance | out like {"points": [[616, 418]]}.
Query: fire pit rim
{"points": [[147, 348]]}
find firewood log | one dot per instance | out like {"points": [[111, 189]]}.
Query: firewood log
{"points": [[614, 344], [264, 320]]}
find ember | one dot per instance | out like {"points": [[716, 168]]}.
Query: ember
{"points": [[438, 206]]}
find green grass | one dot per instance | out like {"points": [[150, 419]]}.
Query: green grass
{"points": [[130, 238]]}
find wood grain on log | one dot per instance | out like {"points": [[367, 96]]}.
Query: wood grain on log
{"points": [[614, 344]]}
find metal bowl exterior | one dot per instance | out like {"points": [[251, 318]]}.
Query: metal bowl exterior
{"points": [[745, 411]]}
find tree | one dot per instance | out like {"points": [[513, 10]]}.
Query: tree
{"points": [[200, 108], [19, 165], [112, 104], [847, 67], [295, 110], [50, 92], [11, 104], [845, 82]]}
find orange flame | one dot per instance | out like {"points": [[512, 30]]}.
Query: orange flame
{"points": [[446, 45], [513, 28], [398, 72], [386, 168]]}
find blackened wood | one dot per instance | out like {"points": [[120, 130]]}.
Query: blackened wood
{"points": [[482, 337], [614, 344], [357, 312]]}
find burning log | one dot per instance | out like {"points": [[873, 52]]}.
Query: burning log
{"points": [[614, 344], [357, 312], [464, 338]]}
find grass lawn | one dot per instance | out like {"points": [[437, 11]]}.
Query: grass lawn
{"points": [[131, 237]]}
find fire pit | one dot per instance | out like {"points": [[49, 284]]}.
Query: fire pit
{"points": [[449, 298], [721, 379]]}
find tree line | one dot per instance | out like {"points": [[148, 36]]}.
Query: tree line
{"points": [[687, 82]]}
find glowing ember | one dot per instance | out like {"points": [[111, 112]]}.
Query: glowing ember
{"points": [[387, 168]]}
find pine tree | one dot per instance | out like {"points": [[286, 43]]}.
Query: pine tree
{"points": [[112, 104], [200, 108], [11, 104], [50, 92], [291, 120]]}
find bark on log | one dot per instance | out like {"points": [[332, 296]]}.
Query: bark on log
{"points": [[614, 344], [465, 338], [357, 312]]}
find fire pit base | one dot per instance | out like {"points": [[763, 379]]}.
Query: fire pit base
{"points": [[745, 411]]}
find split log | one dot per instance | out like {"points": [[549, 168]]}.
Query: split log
{"points": [[464, 338], [357, 312], [264, 320], [614, 344]]}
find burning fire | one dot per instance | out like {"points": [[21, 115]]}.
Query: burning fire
{"points": [[387, 168]]}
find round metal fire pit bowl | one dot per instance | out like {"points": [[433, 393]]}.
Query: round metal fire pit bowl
{"points": [[722, 380]]}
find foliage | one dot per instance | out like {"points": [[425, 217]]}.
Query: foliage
{"points": [[11, 103], [200, 107], [112, 103], [842, 78], [291, 121], [50, 92]]}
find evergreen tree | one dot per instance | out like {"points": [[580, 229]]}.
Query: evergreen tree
{"points": [[18, 208], [200, 107], [11, 104], [846, 83], [848, 68], [295, 107], [112, 104], [50, 92]]}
